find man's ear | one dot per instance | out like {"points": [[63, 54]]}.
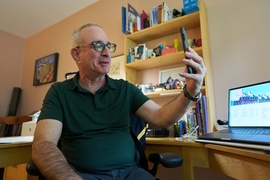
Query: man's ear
{"points": [[75, 54]]}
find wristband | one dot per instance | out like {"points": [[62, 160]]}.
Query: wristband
{"points": [[192, 98]]}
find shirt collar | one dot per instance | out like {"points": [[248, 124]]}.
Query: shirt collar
{"points": [[74, 83]]}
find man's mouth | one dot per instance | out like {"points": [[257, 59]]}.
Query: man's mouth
{"points": [[104, 62]]}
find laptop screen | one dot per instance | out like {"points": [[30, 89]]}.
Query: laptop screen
{"points": [[249, 106]]}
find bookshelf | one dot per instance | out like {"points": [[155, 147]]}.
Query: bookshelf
{"points": [[163, 30]]}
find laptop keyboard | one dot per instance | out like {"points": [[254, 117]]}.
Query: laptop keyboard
{"points": [[250, 131]]}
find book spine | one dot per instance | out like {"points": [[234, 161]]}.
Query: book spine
{"points": [[198, 116], [180, 128], [202, 116], [204, 100], [124, 20], [159, 13]]}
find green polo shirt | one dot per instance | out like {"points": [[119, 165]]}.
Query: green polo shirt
{"points": [[96, 135]]}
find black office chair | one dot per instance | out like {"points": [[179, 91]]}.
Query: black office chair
{"points": [[138, 129]]}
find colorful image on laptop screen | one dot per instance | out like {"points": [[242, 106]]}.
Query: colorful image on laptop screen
{"points": [[249, 106]]}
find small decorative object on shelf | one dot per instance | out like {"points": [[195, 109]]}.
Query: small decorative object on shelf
{"points": [[131, 55], [141, 52], [157, 51], [190, 6]]}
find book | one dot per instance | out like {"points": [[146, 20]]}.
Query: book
{"points": [[189, 124], [132, 17], [202, 116], [198, 116], [159, 14], [194, 113], [205, 111], [167, 14], [155, 15], [123, 20], [145, 20]]}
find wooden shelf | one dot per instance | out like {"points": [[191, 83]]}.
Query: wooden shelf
{"points": [[168, 93], [169, 59], [190, 21]]}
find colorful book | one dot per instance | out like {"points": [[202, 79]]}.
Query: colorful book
{"points": [[145, 20], [131, 19]]}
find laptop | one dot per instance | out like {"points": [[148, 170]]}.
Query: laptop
{"points": [[248, 118]]}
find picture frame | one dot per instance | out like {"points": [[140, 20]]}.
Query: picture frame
{"points": [[140, 52], [173, 73], [117, 70], [46, 69], [157, 51]]}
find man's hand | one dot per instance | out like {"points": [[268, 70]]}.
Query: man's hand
{"points": [[194, 81]]}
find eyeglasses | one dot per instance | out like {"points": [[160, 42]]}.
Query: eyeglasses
{"points": [[100, 46]]}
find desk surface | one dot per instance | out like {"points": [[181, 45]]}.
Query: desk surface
{"points": [[172, 141], [16, 153], [236, 162]]}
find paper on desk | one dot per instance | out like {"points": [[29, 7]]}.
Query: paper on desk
{"points": [[16, 139]]}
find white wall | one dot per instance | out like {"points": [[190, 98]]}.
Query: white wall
{"points": [[239, 39]]}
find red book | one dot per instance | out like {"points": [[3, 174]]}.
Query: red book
{"points": [[144, 18]]}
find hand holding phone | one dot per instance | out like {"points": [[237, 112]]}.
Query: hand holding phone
{"points": [[185, 47]]}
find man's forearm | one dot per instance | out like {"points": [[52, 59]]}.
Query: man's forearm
{"points": [[175, 109], [51, 162]]}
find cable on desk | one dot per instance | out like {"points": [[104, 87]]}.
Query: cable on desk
{"points": [[191, 134]]}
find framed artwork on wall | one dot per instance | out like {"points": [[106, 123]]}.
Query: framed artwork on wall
{"points": [[46, 69], [165, 75], [117, 70]]}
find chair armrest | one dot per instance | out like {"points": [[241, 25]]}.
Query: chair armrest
{"points": [[167, 159], [32, 169]]}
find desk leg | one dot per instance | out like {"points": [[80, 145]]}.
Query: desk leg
{"points": [[193, 156], [187, 168]]}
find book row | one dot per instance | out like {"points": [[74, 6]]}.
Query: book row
{"points": [[133, 20], [198, 117]]}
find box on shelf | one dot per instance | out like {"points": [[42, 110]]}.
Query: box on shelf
{"points": [[168, 51], [190, 6]]}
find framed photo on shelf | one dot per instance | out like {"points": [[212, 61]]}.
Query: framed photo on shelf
{"points": [[168, 75], [46, 69], [140, 52], [117, 70], [157, 51]]}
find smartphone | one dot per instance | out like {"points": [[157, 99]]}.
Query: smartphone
{"points": [[185, 46]]}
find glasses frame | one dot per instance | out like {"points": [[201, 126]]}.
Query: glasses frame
{"points": [[95, 45]]}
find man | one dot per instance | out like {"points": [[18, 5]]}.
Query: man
{"points": [[90, 113]]}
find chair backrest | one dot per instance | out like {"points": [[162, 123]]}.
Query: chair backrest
{"points": [[138, 129], [11, 125]]}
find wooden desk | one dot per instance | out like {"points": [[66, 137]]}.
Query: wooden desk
{"points": [[194, 154], [14, 154], [239, 163]]}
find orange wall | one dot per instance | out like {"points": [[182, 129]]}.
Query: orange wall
{"points": [[11, 62], [56, 39]]}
